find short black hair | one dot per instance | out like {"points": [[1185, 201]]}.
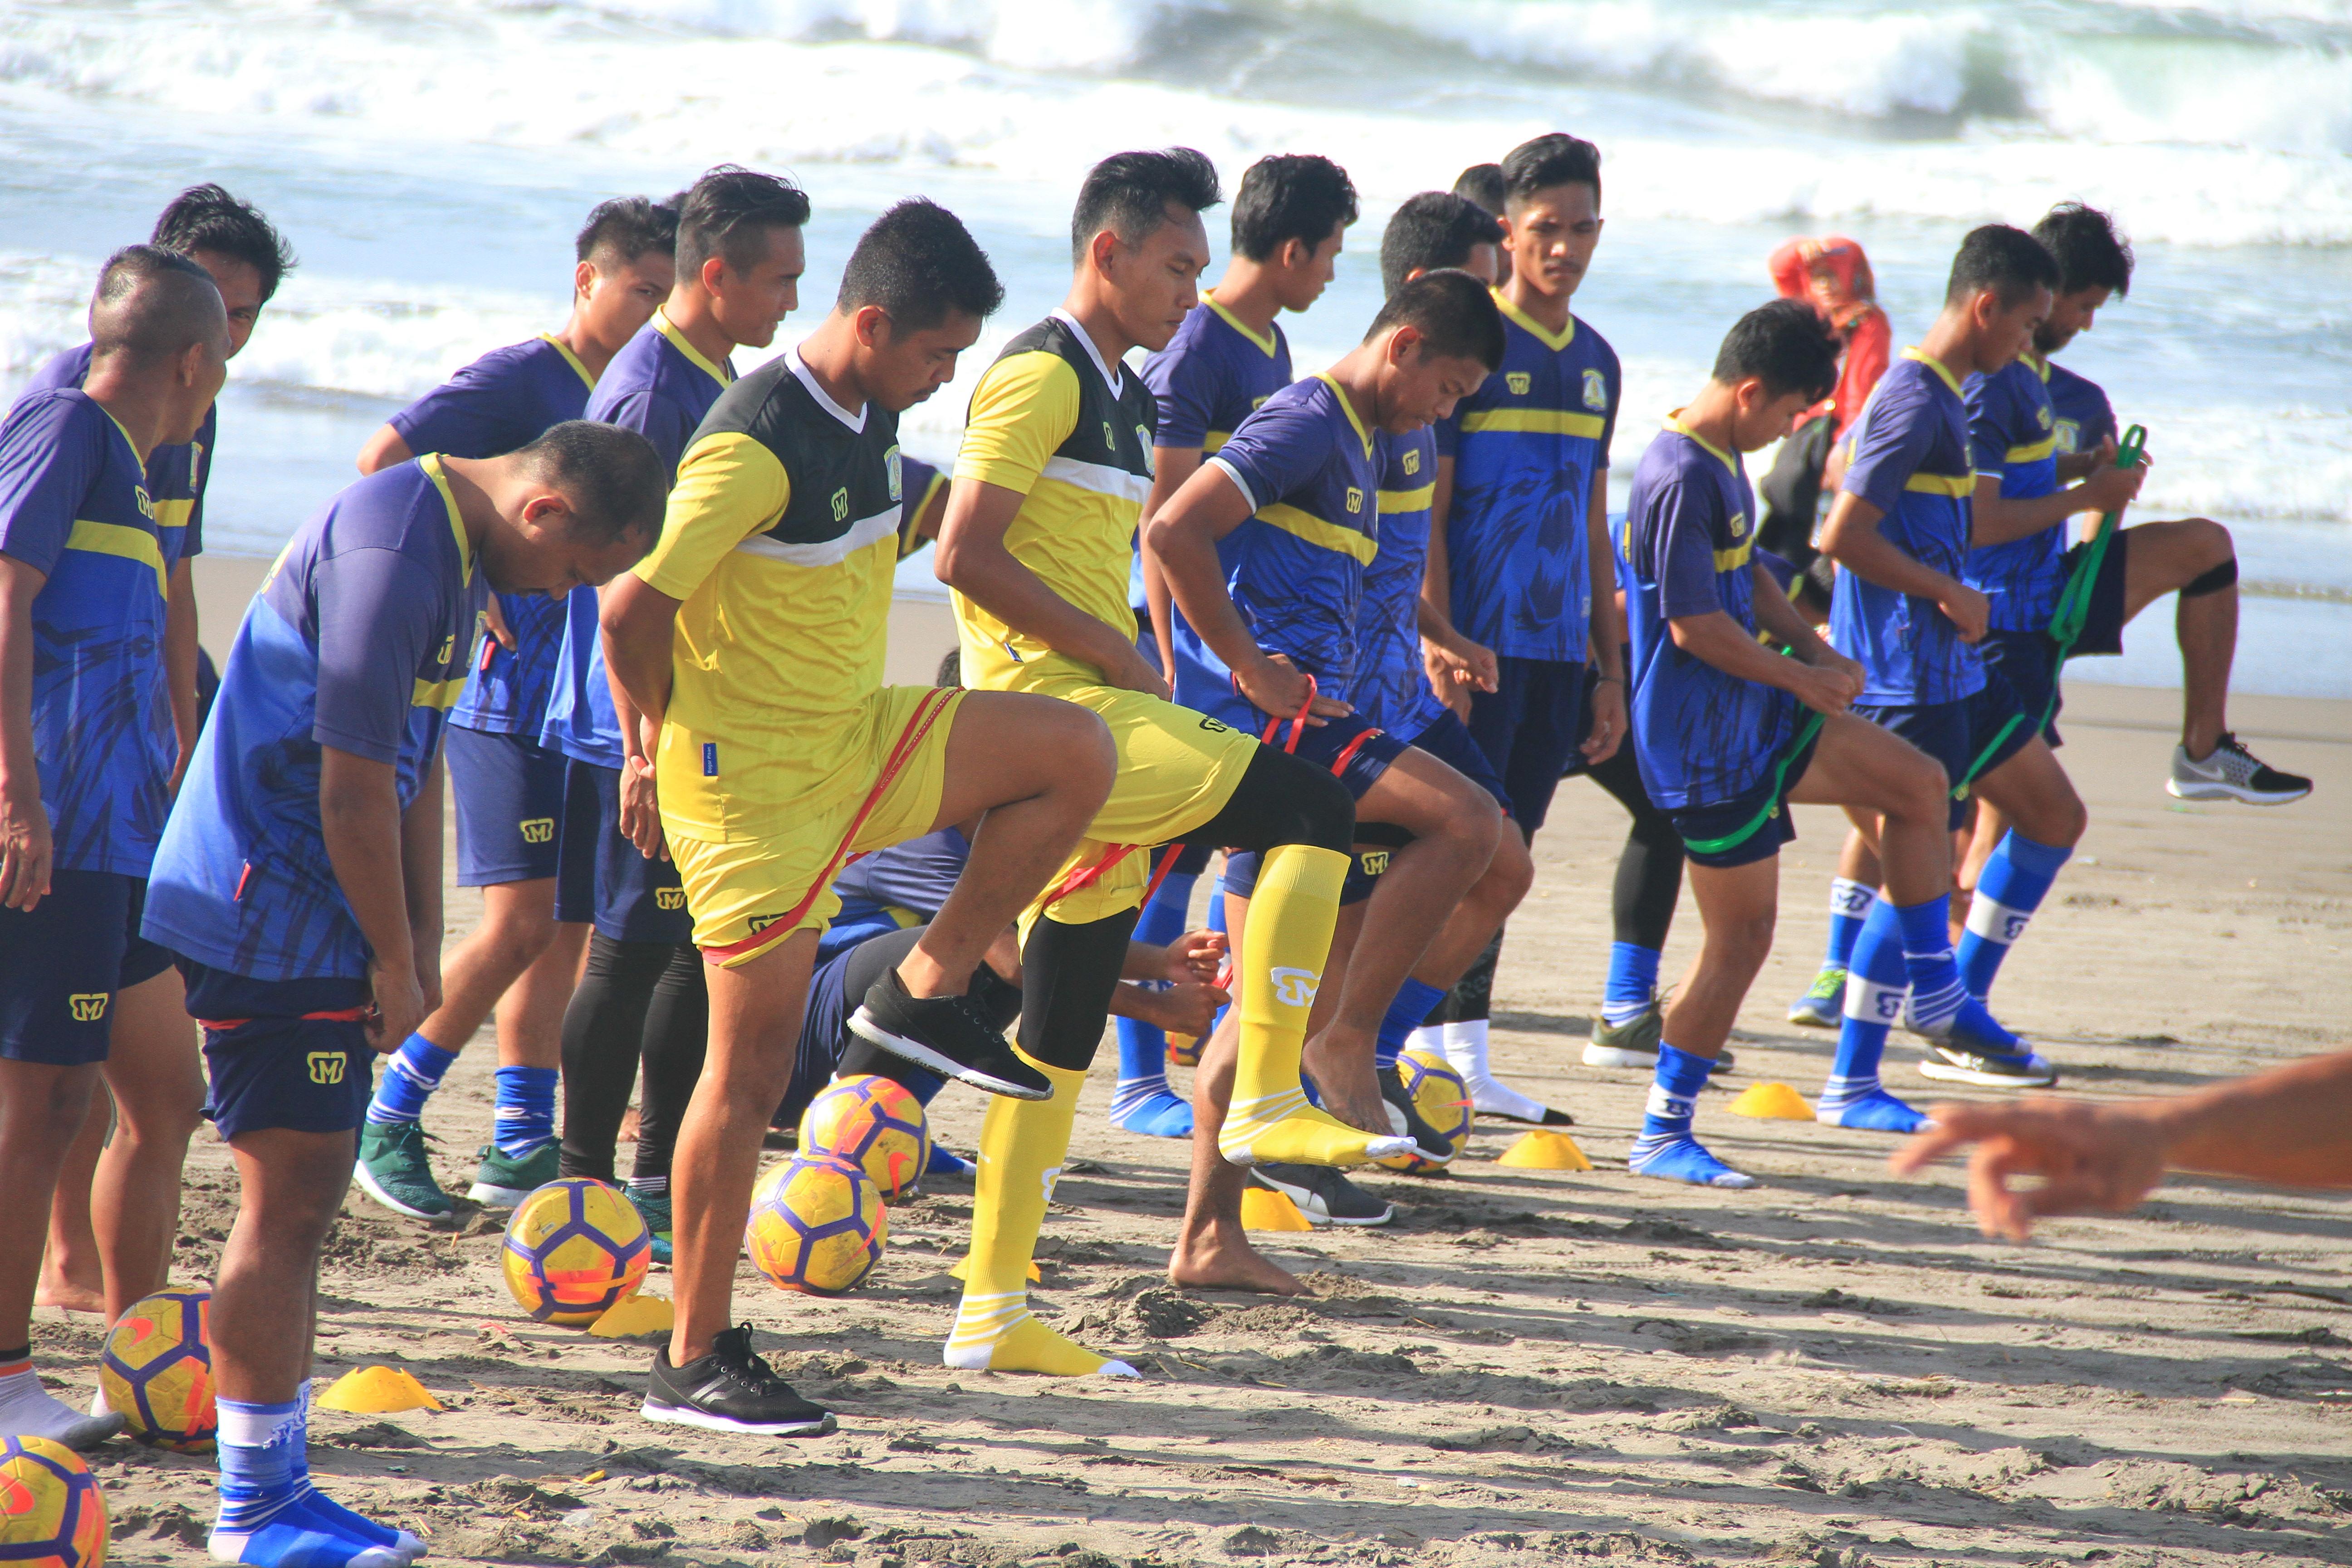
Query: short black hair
{"points": [[151, 304], [2091, 254], [950, 670], [1556, 159], [917, 262], [725, 211], [628, 226], [1128, 192], [1434, 229], [616, 482], [207, 217], [1290, 195], [1788, 343], [1452, 311], [1482, 183], [2005, 260]]}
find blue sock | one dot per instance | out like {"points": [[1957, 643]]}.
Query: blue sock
{"points": [[1412, 1004], [1940, 1005], [2014, 882], [1875, 984], [1666, 1147], [409, 1079], [261, 1447], [1143, 1102], [1633, 983], [526, 1114], [1850, 904]]}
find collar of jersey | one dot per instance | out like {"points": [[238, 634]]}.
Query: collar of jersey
{"points": [[1675, 423], [2039, 368], [1932, 363], [801, 371], [1111, 377], [1536, 330], [136, 461], [431, 464], [1348, 409], [1267, 344], [721, 374], [570, 359]]}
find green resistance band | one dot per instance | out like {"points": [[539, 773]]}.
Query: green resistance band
{"points": [[1805, 733]]}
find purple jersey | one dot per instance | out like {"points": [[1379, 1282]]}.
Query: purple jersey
{"points": [[2014, 436], [176, 475], [1392, 687]]}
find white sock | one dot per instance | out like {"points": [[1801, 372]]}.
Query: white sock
{"points": [[1466, 1052], [1429, 1040], [28, 1410]]}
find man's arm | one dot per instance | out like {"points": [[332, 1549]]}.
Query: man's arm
{"points": [[1780, 618], [1718, 640], [1605, 628], [1851, 538], [1997, 519], [1453, 664], [1171, 467], [384, 449], [25, 847], [972, 560], [180, 644], [637, 621], [367, 843], [420, 864], [640, 803]]}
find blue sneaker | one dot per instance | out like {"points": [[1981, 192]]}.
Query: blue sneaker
{"points": [[1823, 1007], [946, 1161]]}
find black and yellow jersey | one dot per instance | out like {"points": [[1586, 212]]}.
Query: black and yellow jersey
{"points": [[1074, 434], [780, 541]]}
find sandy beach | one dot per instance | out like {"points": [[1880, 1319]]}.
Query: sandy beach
{"points": [[1833, 1369]]}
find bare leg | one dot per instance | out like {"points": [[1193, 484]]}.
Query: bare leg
{"points": [[2164, 558], [41, 1112], [1738, 906], [531, 1011], [155, 1068], [73, 1272], [1481, 913], [266, 1304], [518, 927]]}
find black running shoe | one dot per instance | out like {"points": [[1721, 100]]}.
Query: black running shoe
{"points": [[949, 1036], [1406, 1120], [1323, 1194], [730, 1390]]}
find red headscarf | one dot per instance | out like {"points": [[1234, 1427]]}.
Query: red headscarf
{"points": [[1834, 275]]}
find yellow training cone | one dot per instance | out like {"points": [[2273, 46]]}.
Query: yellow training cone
{"points": [[1262, 1210], [634, 1314], [1545, 1151], [377, 1391], [1775, 1101]]}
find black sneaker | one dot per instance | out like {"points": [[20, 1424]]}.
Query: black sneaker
{"points": [[947, 1035], [1323, 1194], [1987, 1070], [730, 1390], [2232, 772], [1406, 1120]]}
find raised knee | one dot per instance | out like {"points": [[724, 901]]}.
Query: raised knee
{"points": [[1326, 814]]}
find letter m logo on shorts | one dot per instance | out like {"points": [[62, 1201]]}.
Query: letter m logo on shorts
{"points": [[88, 1006], [326, 1066], [669, 898], [1294, 987], [538, 829]]}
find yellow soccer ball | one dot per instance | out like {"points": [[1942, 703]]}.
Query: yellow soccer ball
{"points": [[876, 1124], [157, 1371], [52, 1514], [574, 1247], [1444, 1102], [817, 1225]]}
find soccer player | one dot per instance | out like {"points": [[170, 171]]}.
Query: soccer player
{"points": [[1054, 472], [1900, 528], [1290, 218], [641, 998], [154, 1079], [87, 743], [299, 881], [1481, 186], [1725, 739], [508, 786], [1518, 559], [751, 645]]}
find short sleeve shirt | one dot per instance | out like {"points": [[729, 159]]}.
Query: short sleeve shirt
{"points": [[2084, 416], [1908, 456], [1392, 689], [1214, 373], [918, 483], [1703, 737], [176, 475], [357, 641], [1526, 448], [74, 507], [2014, 436]]}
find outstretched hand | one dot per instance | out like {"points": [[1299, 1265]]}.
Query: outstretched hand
{"points": [[2091, 1159]]}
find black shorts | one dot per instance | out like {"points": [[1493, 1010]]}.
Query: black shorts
{"points": [[283, 1053], [600, 879], [2029, 662], [62, 961], [2103, 625], [1530, 727], [1970, 737], [1754, 826]]}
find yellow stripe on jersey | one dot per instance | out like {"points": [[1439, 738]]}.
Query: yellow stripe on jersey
{"points": [[1541, 333], [173, 513], [570, 359], [1534, 421], [1419, 498], [1738, 556], [438, 694], [1265, 342], [1959, 487], [2033, 454], [431, 464], [1939, 367], [729, 487], [115, 539], [1318, 532], [1211, 440], [694, 356]]}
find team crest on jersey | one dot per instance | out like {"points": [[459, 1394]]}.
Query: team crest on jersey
{"points": [[841, 504], [88, 1006], [1596, 391], [1412, 462], [890, 461], [2070, 436], [1110, 437], [146, 505], [669, 898], [538, 829], [1143, 445], [1738, 525], [327, 1066], [1355, 499], [1519, 381]]}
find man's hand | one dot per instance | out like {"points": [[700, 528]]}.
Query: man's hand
{"points": [[641, 808], [1130, 671], [494, 621], [2092, 1160], [2111, 489], [1456, 670], [1827, 688], [1280, 690], [1197, 955], [2073, 466], [26, 851], [400, 1006], [1965, 608], [1608, 732]]}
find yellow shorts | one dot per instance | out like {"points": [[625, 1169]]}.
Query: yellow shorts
{"points": [[1177, 769], [751, 893]]}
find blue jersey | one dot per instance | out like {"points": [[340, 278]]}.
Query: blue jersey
{"points": [[659, 386], [1392, 687], [357, 641], [175, 474], [1295, 568], [2084, 416], [2014, 436], [74, 507], [1526, 448], [1907, 455], [918, 483], [504, 399], [1213, 375], [1703, 737]]}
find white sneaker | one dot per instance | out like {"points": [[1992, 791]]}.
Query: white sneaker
{"points": [[2232, 772]]}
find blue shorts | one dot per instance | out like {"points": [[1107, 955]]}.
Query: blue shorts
{"points": [[509, 795], [1970, 737], [283, 1053], [62, 961], [2029, 662], [1448, 740], [1530, 727], [1766, 806], [1356, 753], [600, 877]]}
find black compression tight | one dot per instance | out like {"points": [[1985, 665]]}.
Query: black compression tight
{"points": [[1650, 871], [638, 1003]]}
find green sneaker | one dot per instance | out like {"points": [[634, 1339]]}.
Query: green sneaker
{"points": [[1823, 1006], [393, 1170], [500, 1182], [1632, 1043], [654, 1207]]}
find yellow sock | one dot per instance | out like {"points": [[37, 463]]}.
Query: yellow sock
{"points": [[1021, 1144], [1284, 949]]}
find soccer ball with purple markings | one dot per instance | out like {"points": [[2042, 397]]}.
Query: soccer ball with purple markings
{"points": [[573, 1249], [876, 1124], [52, 1514], [817, 1224], [157, 1371]]}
